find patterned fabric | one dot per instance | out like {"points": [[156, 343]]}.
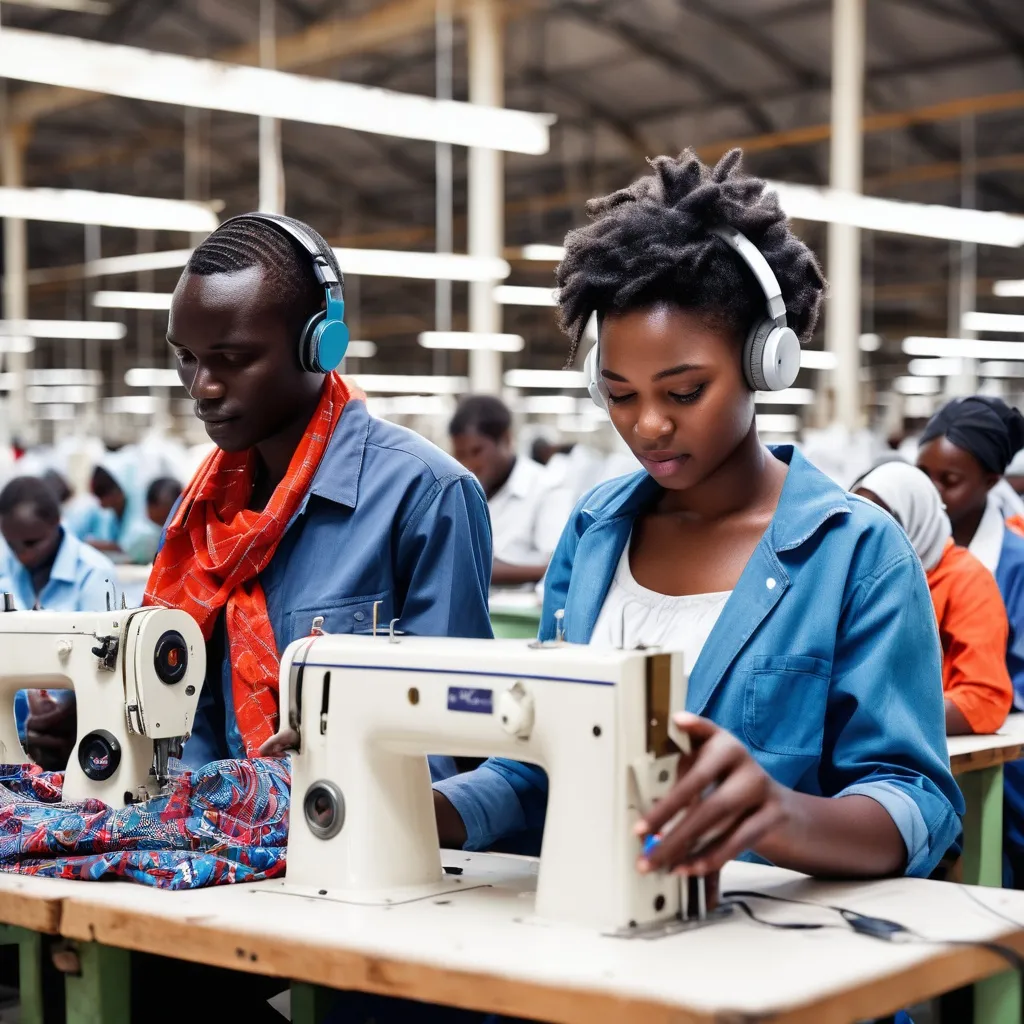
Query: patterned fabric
{"points": [[225, 823], [215, 549]]}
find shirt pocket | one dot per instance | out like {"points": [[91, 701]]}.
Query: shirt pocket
{"points": [[346, 615], [785, 702]]}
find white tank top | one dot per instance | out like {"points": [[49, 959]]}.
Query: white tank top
{"points": [[634, 616]]}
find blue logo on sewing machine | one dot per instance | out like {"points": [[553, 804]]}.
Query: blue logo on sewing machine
{"points": [[467, 698]]}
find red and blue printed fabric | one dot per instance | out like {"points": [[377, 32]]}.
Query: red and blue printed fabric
{"points": [[227, 822]]}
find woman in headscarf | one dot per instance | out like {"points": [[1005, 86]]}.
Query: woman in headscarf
{"points": [[969, 610]]}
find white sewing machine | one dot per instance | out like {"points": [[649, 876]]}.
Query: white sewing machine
{"points": [[136, 674], [367, 710]]}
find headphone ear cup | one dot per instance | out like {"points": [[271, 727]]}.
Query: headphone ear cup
{"points": [[308, 342], [329, 344], [596, 388], [780, 359], [753, 355]]}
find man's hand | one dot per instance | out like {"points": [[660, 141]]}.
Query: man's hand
{"points": [[50, 730], [743, 806], [280, 743]]}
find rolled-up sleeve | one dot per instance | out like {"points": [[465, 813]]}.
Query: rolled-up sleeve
{"points": [[885, 734]]}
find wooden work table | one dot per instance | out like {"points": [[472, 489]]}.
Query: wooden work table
{"points": [[476, 945]]}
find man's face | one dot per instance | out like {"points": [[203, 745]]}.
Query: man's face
{"points": [[488, 460], [960, 479], [238, 358], [31, 539]]}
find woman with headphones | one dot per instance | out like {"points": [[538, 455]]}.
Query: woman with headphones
{"points": [[814, 705]]}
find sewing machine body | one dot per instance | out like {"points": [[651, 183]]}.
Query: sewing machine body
{"points": [[136, 675], [368, 710]]}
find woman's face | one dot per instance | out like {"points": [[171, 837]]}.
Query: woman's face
{"points": [[959, 478], [678, 396]]}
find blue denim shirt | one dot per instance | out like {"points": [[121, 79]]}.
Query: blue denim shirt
{"points": [[825, 660], [82, 579], [390, 518]]}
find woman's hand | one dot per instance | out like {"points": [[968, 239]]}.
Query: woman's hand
{"points": [[744, 805]]}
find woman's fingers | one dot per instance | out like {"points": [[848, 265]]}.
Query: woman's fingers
{"points": [[716, 757]]}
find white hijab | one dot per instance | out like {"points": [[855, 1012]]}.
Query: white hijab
{"points": [[916, 504]]}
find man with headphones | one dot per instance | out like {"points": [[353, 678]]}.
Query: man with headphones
{"points": [[309, 508]]}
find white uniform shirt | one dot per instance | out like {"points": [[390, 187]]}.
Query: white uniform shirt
{"points": [[528, 515], [987, 543]]}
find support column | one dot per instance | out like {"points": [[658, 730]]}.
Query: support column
{"points": [[271, 165], [963, 267], [444, 178], [486, 186], [843, 317], [15, 305]]}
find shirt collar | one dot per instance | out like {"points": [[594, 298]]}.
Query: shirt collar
{"points": [[65, 565], [520, 483], [337, 476], [809, 498], [987, 543]]}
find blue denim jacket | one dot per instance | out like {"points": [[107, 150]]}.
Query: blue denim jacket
{"points": [[389, 517], [825, 660]]}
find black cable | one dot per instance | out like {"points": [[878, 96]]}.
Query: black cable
{"points": [[873, 927]]}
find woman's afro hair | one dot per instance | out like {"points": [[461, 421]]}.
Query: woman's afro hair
{"points": [[652, 242]]}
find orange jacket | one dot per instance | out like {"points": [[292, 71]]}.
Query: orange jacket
{"points": [[974, 631], [1016, 523]]}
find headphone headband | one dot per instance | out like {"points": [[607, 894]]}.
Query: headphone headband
{"points": [[754, 259]]}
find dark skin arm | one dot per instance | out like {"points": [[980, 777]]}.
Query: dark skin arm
{"points": [[451, 829], [851, 837], [956, 724], [506, 574], [50, 733]]}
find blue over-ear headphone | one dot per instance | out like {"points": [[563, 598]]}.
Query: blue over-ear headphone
{"points": [[324, 340]]}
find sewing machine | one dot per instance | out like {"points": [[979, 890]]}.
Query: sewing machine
{"points": [[366, 709], [136, 674]]}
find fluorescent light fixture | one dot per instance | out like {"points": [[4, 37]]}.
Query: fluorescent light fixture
{"points": [[411, 405], [523, 295], [834, 206], [917, 385], [429, 266], [98, 330], [8, 380], [108, 209], [74, 394], [1007, 323], [56, 412], [546, 253], [22, 345], [361, 350], [52, 378], [965, 348], [545, 379], [577, 424], [869, 342], [1008, 289], [1001, 369], [472, 341], [132, 300], [79, 6], [132, 405], [939, 366], [152, 377], [778, 423], [547, 405], [817, 359], [788, 396], [212, 85], [387, 383]]}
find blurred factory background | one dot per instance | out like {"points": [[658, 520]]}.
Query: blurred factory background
{"points": [[894, 130]]}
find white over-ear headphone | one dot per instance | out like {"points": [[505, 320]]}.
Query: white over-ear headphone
{"points": [[771, 353]]}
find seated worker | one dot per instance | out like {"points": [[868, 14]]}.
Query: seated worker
{"points": [[814, 698], [309, 506], [44, 566], [973, 628], [964, 450], [119, 524], [527, 512], [161, 497]]}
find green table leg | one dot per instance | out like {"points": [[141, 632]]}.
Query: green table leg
{"points": [[309, 1003], [100, 993], [515, 625], [30, 971], [997, 1000]]}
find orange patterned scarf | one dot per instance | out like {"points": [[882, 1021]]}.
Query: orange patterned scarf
{"points": [[216, 548]]}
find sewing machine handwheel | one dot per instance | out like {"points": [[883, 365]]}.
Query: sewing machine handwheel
{"points": [[324, 809], [171, 657], [99, 755]]}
